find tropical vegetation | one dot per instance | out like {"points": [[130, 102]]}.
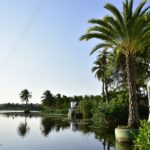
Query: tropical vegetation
{"points": [[113, 113], [142, 141], [127, 35], [25, 95], [100, 69]]}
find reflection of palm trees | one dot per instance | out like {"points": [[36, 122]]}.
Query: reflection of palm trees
{"points": [[48, 124], [104, 134], [23, 128], [104, 144]]}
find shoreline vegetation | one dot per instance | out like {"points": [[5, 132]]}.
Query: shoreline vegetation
{"points": [[104, 116], [122, 65], [113, 113]]}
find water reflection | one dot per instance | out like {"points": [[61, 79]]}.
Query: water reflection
{"points": [[123, 146], [74, 126], [69, 134], [49, 124], [104, 135], [23, 128]]}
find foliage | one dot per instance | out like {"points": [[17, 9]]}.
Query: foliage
{"points": [[55, 101], [100, 69], [142, 141], [12, 106], [87, 105], [47, 98], [60, 103], [113, 113], [25, 95], [127, 33]]}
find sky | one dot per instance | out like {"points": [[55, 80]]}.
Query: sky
{"points": [[40, 48]]}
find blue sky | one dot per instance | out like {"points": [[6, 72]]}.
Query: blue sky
{"points": [[49, 55]]}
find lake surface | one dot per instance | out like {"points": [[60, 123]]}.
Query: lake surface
{"points": [[34, 132]]}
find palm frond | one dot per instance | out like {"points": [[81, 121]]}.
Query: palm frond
{"points": [[145, 10], [99, 46], [101, 23], [117, 31], [139, 9], [116, 13], [101, 30]]}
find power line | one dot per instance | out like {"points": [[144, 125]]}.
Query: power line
{"points": [[24, 32]]}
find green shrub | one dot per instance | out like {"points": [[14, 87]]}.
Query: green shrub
{"points": [[142, 141], [85, 107], [113, 113]]}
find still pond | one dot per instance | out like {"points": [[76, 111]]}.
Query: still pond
{"points": [[36, 132]]}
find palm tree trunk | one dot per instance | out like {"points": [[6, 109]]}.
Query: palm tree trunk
{"points": [[106, 91], [103, 91], [133, 118]]}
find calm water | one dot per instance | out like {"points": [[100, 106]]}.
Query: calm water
{"points": [[19, 132]]}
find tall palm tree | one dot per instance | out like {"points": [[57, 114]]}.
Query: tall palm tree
{"points": [[25, 95], [47, 98], [100, 69], [127, 33]]}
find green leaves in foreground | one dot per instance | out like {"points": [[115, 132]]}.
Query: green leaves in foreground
{"points": [[142, 141]]}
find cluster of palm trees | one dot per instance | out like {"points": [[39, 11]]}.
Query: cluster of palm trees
{"points": [[48, 99], [101, 72], [123, 50]]}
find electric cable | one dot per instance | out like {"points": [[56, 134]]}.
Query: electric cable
{"points": [[24, 32]]}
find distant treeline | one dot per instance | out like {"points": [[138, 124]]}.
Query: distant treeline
{"points": [[12, 106], [62, 101], [53, 103]]}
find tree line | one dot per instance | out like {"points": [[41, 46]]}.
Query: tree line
{"points": [[48, 101]]}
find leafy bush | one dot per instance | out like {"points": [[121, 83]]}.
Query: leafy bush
{"points": [[87, 105], [142, 141], [113, 113]]}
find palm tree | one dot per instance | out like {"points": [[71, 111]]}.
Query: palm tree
{"points": [[25, 95], [127, 33], [100, 69], [47, 98]]}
